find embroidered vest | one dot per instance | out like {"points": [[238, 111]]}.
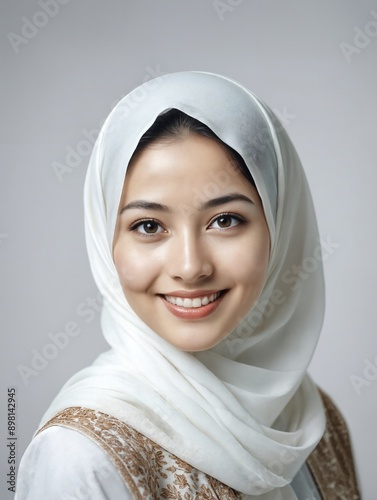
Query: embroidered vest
{"points": [[151, 472]]}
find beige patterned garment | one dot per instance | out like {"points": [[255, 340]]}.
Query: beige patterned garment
{"points": [[331, 463], [150, 472]]}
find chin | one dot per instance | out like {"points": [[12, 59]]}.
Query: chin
{"points": [[192, 345]]}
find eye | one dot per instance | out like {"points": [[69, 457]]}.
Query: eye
{"points": [[147, 227], [226, 221]]}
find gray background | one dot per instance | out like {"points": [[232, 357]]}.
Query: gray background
{"points": [[64, 79]]}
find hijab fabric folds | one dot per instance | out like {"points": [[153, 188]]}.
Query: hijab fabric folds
{"points": [[245, 411]]}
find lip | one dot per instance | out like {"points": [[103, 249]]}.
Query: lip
{"points": [[191, 294], [193, 312]]}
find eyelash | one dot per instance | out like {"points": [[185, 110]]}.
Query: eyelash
{"points": [[239, 220], [142, 222]]}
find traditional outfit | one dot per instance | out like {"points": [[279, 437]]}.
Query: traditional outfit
{"points": [[239, 420]]}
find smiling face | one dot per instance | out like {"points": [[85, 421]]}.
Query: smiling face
{"points": [[191, 244]]}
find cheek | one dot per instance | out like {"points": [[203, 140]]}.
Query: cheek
{"points": [[248, 260], [134, 270], [248, 266]]}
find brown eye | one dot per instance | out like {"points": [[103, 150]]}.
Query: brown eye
{"points": [[226, 221], [150, 227], [147, 227]]}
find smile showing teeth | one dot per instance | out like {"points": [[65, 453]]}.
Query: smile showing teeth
{"points": [[192, 303]]}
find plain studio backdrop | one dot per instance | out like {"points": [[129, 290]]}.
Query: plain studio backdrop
{"points": [[67, 62]]}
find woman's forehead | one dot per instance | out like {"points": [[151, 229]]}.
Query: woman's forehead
{"points": [[195, 168]]}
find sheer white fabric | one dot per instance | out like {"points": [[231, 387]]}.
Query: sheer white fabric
{"points": [[248, 400]]}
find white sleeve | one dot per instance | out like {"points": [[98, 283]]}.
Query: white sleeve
{"points": [[63, 464]]}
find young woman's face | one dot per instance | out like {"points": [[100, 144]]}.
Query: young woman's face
{"points": [[191, 244]]}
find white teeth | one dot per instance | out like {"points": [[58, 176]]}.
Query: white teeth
{"points": [[190, 303], [196, 303]]}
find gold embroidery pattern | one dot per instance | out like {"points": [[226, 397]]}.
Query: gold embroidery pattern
{"points": [[152, 473], [149, 471], [331, 463]]}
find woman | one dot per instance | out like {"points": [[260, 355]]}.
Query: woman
{"points": [[198, 215]]}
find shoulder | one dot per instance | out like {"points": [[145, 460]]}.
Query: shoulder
{"points": [[331, 463], [63, 460], [76, 451]]}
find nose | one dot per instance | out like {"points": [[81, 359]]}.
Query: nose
{"points": [[190, 258]]}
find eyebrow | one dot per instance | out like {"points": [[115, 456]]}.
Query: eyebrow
{"points": [[215, 202], [146, 205], [222, 200]]}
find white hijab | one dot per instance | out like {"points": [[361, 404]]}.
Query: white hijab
{"points": [[245, 411]]}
